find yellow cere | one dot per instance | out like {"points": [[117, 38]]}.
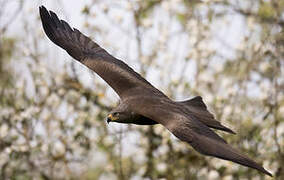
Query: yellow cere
{"points": [[110, 116]]}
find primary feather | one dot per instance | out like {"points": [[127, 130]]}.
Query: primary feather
{"points": [[115, 72]]}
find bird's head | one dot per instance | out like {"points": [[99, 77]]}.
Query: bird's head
{"points": [[120, 117]]}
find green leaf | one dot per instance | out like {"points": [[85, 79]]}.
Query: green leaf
{"points": [[266, 10]]}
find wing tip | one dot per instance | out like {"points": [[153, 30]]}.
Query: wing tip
{"points": [[60, 33], [228, 130], [268, 173], [261, 169], [265, 171], [52, 25], [42, 10]]}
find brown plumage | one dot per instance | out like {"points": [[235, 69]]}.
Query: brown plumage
{"points": [[141, 103]]}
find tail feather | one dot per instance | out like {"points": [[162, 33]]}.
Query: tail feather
{"points": [[197, 108]]}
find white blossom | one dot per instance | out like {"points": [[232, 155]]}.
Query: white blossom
{"points": [[58, 149], [4, 129]]}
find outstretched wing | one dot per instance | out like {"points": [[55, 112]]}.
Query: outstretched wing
{"points": [[208, 146], [192, 131], [116, 73]]}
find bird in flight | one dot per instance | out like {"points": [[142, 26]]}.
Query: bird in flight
{"points": [[140, 102]]}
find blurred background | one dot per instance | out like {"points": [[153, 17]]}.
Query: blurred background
{"points": [[53, 109]]}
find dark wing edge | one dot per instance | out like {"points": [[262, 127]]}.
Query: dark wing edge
{"points": [[211, 147], [114, 71], [197, 134], [60, 33], [208, 145]]}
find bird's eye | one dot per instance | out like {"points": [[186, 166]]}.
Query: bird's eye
{"points": [[116, 114]]}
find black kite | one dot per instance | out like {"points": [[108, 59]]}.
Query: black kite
{"points": [[141, 103]]}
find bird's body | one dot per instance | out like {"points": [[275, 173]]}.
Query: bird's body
{"points": [[141, 103]]}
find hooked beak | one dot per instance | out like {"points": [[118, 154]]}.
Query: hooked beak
{"points": [[109, 118]]}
